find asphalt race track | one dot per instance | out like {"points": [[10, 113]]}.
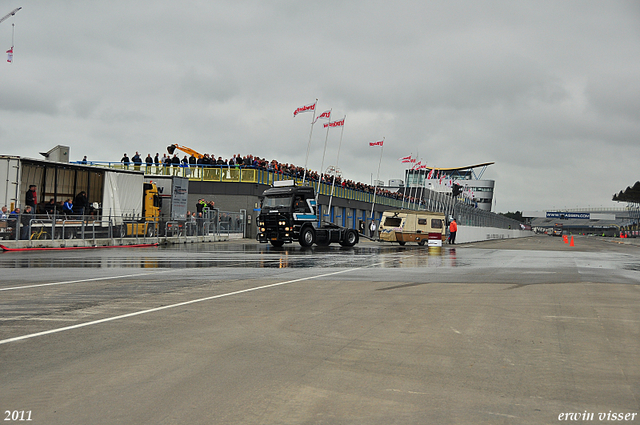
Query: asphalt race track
{"points": [[521, 331]]}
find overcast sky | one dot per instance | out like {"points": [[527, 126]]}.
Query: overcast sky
{"points": [[549, 90]]}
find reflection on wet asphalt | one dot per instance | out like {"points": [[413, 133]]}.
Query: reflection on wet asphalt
{"points": [[236, 255]]}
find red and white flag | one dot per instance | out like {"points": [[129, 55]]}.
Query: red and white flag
{"points": [[335, 123], [406, 159], [10, 55], [326, 115], [416, 166], [378, 143], [305, 108], [430, 175]]}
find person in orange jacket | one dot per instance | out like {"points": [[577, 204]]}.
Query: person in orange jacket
{"points": [[453, 229]]}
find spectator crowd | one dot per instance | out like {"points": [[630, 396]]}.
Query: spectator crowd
{"points": [[250, 161]]}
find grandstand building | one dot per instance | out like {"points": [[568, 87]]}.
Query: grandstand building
{"points": [[472, 188]]}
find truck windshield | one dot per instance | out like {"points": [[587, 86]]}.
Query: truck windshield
{"points": [[277, 202]]}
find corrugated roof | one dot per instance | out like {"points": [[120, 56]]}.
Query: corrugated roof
{"points": [[461, 168]]}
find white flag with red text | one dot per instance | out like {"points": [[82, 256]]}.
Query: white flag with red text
{"points": [[10, 55], [305, 108], [335, 123], [378, 143], [326, 115]]}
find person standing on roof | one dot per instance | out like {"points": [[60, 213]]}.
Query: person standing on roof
{"points": [[137, 161], [453, 229]]}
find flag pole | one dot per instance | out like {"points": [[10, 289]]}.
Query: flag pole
{"points": [[404, 192], [375, 185], [326, 138], [333, 184], [422, 187], [304, 176], [415, 192]]}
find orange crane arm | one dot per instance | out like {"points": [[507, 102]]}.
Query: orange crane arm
{"points": [[171, 149]]}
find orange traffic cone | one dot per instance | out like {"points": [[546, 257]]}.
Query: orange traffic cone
{"points": [[571, 244], [564, 238]]}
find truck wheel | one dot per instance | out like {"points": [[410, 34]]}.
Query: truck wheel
{"points": [[277, 244], [421, 242], [350, 238], [401, 243], [307, 236]]}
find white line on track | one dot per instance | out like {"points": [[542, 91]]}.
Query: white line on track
{"points": [[39, 285], [166, 307]]}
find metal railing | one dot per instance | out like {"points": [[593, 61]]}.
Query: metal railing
{"points": [[424, 199], [43, 227]]}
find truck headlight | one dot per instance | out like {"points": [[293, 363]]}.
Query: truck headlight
{"points": [[262, 229], [282, 223]]}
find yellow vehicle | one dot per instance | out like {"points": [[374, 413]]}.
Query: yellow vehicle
{"points": [[404, 226], [147, 225]]}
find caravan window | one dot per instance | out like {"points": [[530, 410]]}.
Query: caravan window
{"points": [[422, 221], [392, 222], [436, 223]]}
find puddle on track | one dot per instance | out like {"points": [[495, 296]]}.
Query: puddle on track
{"points": [[236, 256]]}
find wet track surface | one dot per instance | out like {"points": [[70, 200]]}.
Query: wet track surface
{"points": [[511, 331], [230, 255], [253, 255]]}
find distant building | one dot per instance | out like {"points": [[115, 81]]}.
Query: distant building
{"points": [[597, 221], [471, 188]]}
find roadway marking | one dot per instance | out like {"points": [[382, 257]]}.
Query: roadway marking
{"points": [[39, 285], [166, 307], [589, 318]]}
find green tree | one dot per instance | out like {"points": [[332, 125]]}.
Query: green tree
{"points": [[514, 215]]}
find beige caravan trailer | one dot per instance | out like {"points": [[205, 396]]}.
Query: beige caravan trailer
{"points": [[404, 226]]}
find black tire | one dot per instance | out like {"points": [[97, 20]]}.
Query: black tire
{"points": [[421, 242], [151, 230], [350, 238], [277, 244], [307, 236], [401, 243]]}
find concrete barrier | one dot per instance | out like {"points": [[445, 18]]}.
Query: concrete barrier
{"points": [[476, 234]]}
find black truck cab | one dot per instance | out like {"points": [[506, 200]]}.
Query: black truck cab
{"points": [[289, 213]]}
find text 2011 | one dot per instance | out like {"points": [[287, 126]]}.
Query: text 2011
{"points": [[17, 415]]}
